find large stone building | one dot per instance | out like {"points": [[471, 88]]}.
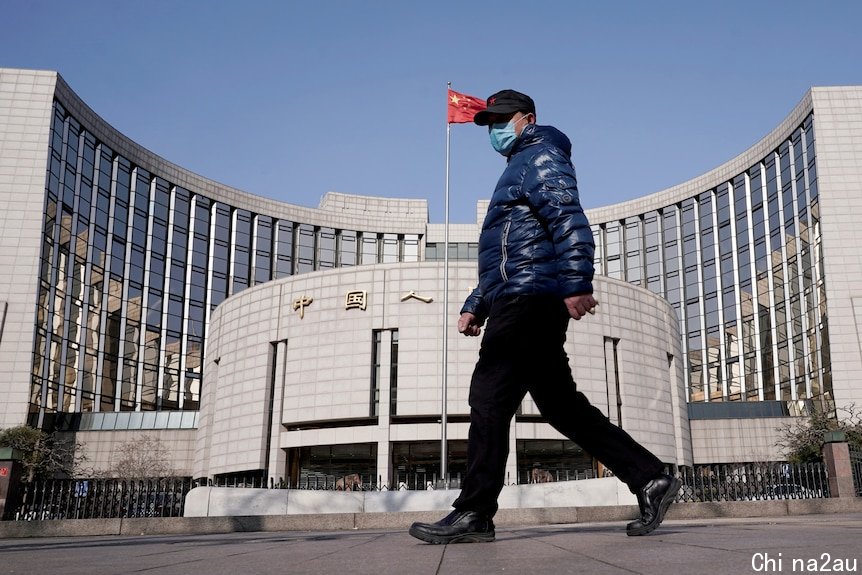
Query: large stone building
{"points": [[258, 337]]}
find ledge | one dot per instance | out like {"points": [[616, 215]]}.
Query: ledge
{"points": [[505, 518]]}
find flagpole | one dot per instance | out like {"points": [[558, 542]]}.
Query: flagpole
{"points": [[443, 411]]}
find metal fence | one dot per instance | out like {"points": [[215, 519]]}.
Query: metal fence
{"points": [[349, 482], [741, 482], [239, 480], [753, 482], [165, 497], [400, 481], [856, 464], [103, 498]]}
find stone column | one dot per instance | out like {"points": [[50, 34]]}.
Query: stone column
{"points": [[277, 471], [383, 465], [384, 461], [512, 461], [836, 456]]}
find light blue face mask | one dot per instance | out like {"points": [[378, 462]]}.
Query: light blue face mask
{"points": [[503, 135]]}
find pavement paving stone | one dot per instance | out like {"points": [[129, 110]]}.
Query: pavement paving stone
{"points": [[785, 545]]}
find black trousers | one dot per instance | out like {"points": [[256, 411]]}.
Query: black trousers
{"points": [[522, 351]]}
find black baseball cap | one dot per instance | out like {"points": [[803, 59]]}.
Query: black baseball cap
{"points": [[505, 102]]}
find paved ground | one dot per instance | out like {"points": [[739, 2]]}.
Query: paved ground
{"points": [[801, 544]]}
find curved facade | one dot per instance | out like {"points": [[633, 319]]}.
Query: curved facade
{"points": [[135, 253], [350, 363], [738, 253], [114, 261]]}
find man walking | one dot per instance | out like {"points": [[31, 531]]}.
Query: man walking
{"points": [[535, 273]]}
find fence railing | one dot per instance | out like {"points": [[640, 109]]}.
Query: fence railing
{"points": [[856, 465], [165, 497], [103, 498], [753, 482], [400, 481], [743, 482], [349, 482]]}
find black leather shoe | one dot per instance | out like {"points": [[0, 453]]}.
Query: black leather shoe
{"points": [[457, 527], [654, 498]]}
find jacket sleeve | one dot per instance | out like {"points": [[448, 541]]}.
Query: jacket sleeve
{"points": [[551, 189], [476, 305]]}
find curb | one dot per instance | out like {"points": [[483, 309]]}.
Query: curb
{"points": [[402, 520]]}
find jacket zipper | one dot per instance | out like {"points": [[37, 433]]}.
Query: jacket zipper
{"points": [[505, 255]]}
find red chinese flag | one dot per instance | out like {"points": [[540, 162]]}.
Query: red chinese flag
{"points": [[462, 107]]}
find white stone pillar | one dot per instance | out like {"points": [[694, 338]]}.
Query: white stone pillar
{"points": [[277, 456], [511, 475], [383, 412]]}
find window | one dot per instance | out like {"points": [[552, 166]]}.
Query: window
{"points": [[305, 249], [326, 248], [613, 248], [284, 249], [369, 248], [376, 344], [263, 242], [241, 251], [393, 374], [390, 249], [347, 248]]}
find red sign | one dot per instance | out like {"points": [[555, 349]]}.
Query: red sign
{"points": [[4, 471]]}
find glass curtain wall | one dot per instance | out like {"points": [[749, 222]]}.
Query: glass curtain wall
{"points": [[132, 267], [741, 265]]}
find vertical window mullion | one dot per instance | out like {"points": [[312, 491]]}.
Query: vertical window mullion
{"points": [[55, 272], [184, 323], [807, 324], [70, 267], [719, 294], [145, 298], [701, 303], [124, 305], [106, 287], [161, 392], [737, 296], [231, 251], [785, 284], [797, 285], [254, 220], [208, 296], [85, 331], [145, 290], [776, 361], [755, 284]]}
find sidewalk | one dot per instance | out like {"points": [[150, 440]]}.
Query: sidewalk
{"points": [[798, 544]]}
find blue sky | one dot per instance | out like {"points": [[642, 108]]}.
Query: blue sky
{"points": [[289, 99]]}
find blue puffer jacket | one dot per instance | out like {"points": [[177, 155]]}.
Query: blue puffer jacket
{"points": [[535, 238]]}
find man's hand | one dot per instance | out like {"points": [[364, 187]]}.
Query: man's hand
{"points": [[580, 305], [468, 325]]}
